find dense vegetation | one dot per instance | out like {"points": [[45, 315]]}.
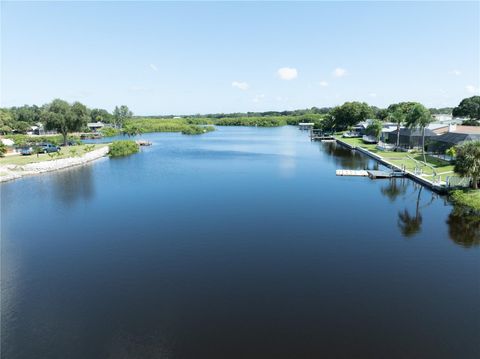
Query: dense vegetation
{"points": [[468, 107], [467, 162], [123, 148], [21, 140]]}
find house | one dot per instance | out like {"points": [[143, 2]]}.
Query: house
{"points": [[37, 129], [456, 136], [410, 137], [95, 126]]}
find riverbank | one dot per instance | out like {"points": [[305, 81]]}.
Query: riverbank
{"points": [[12, 168], [434, 175], [469, 198]]}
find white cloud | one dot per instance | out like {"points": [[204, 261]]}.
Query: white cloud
{"points": [[258, 98], [372, 94], [323, 83], [339, 72], [287, 73], [153, 67], [471, 89], [240, 85], [456, 72]]}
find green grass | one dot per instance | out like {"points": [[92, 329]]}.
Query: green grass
{"points": [[70, 151], [442, 168], [469, 198]]}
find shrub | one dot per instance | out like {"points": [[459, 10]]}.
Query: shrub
{"points": [[123, 148], [197, 130], [3, 149], [109, 131]]}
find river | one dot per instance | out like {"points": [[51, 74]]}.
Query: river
{"points": [[240, 243]]}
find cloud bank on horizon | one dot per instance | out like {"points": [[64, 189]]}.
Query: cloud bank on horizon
{"points": [[137, 54]]}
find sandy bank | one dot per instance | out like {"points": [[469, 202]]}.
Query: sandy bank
{"points": [[11, 172]]}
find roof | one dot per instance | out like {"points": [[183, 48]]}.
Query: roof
{"points": [[436, 126], [414, 132], [467, 129], [455, 137], [95, 124]]}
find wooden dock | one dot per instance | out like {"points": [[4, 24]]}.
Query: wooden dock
{"points": [[373, 174], [361, 173]]}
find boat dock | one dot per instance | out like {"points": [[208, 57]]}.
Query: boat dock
{"points": [[318, 135], [373, 174]]}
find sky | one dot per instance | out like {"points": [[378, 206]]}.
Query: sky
{"points": [[209, 57]]}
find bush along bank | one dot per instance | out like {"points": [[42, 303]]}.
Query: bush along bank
{"points": [[123, 148]]}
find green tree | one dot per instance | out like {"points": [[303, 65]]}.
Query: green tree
{"points": [[349, 114], [121, 115], [3, 149], [468, 107], [65, 118], [468, 161], [374, 129], [419, 117], [397, 116], [100, 115]]}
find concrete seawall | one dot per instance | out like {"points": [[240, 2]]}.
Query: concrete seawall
{"points": [[433, 186], [12, 172]]}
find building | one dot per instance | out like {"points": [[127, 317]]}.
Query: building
{"points": [[410, 137], [95, 126], [456, 136], [38, 130]]}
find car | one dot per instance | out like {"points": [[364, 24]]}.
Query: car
{"points": [[26, 150], [47, 147]]}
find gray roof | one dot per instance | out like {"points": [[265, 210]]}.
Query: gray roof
{"points": [[414, 132], [455, 137]]}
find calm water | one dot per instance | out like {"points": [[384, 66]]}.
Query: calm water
{"points": [[241, 243]]}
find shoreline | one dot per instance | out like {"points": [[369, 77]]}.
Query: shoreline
{"points": [[437, 187], [14, 172]]}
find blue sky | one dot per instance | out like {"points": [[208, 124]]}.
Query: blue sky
{"points": [[183, 58]]}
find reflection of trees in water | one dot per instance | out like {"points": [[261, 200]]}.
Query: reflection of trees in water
{"points": [[345, 157], [464, 226], [73, 184], [408, 224], [395, 188]]}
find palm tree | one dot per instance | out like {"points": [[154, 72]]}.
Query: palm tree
{"points": [[419, 117], [398, 117], [468, 161]]}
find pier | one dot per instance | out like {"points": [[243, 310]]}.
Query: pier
{"points": [[319, 135]]}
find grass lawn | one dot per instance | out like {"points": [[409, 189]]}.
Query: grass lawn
{"points": [[410, 160], [469, 198], [65, 152]]}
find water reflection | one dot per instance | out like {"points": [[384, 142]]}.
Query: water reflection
{"points": [[345, 157], [395, 188], [74, 184], [408, 223], [464, 226]]}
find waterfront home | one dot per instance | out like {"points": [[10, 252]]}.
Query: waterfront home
{"points": [[456, 136], [410, 137], [95, 126]]}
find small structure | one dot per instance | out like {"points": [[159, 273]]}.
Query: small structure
{"points": [[95, 126], [305, 126], [10, 144], [37, 129]]}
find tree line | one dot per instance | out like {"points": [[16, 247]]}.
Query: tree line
{"points": [[61, 116]]}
